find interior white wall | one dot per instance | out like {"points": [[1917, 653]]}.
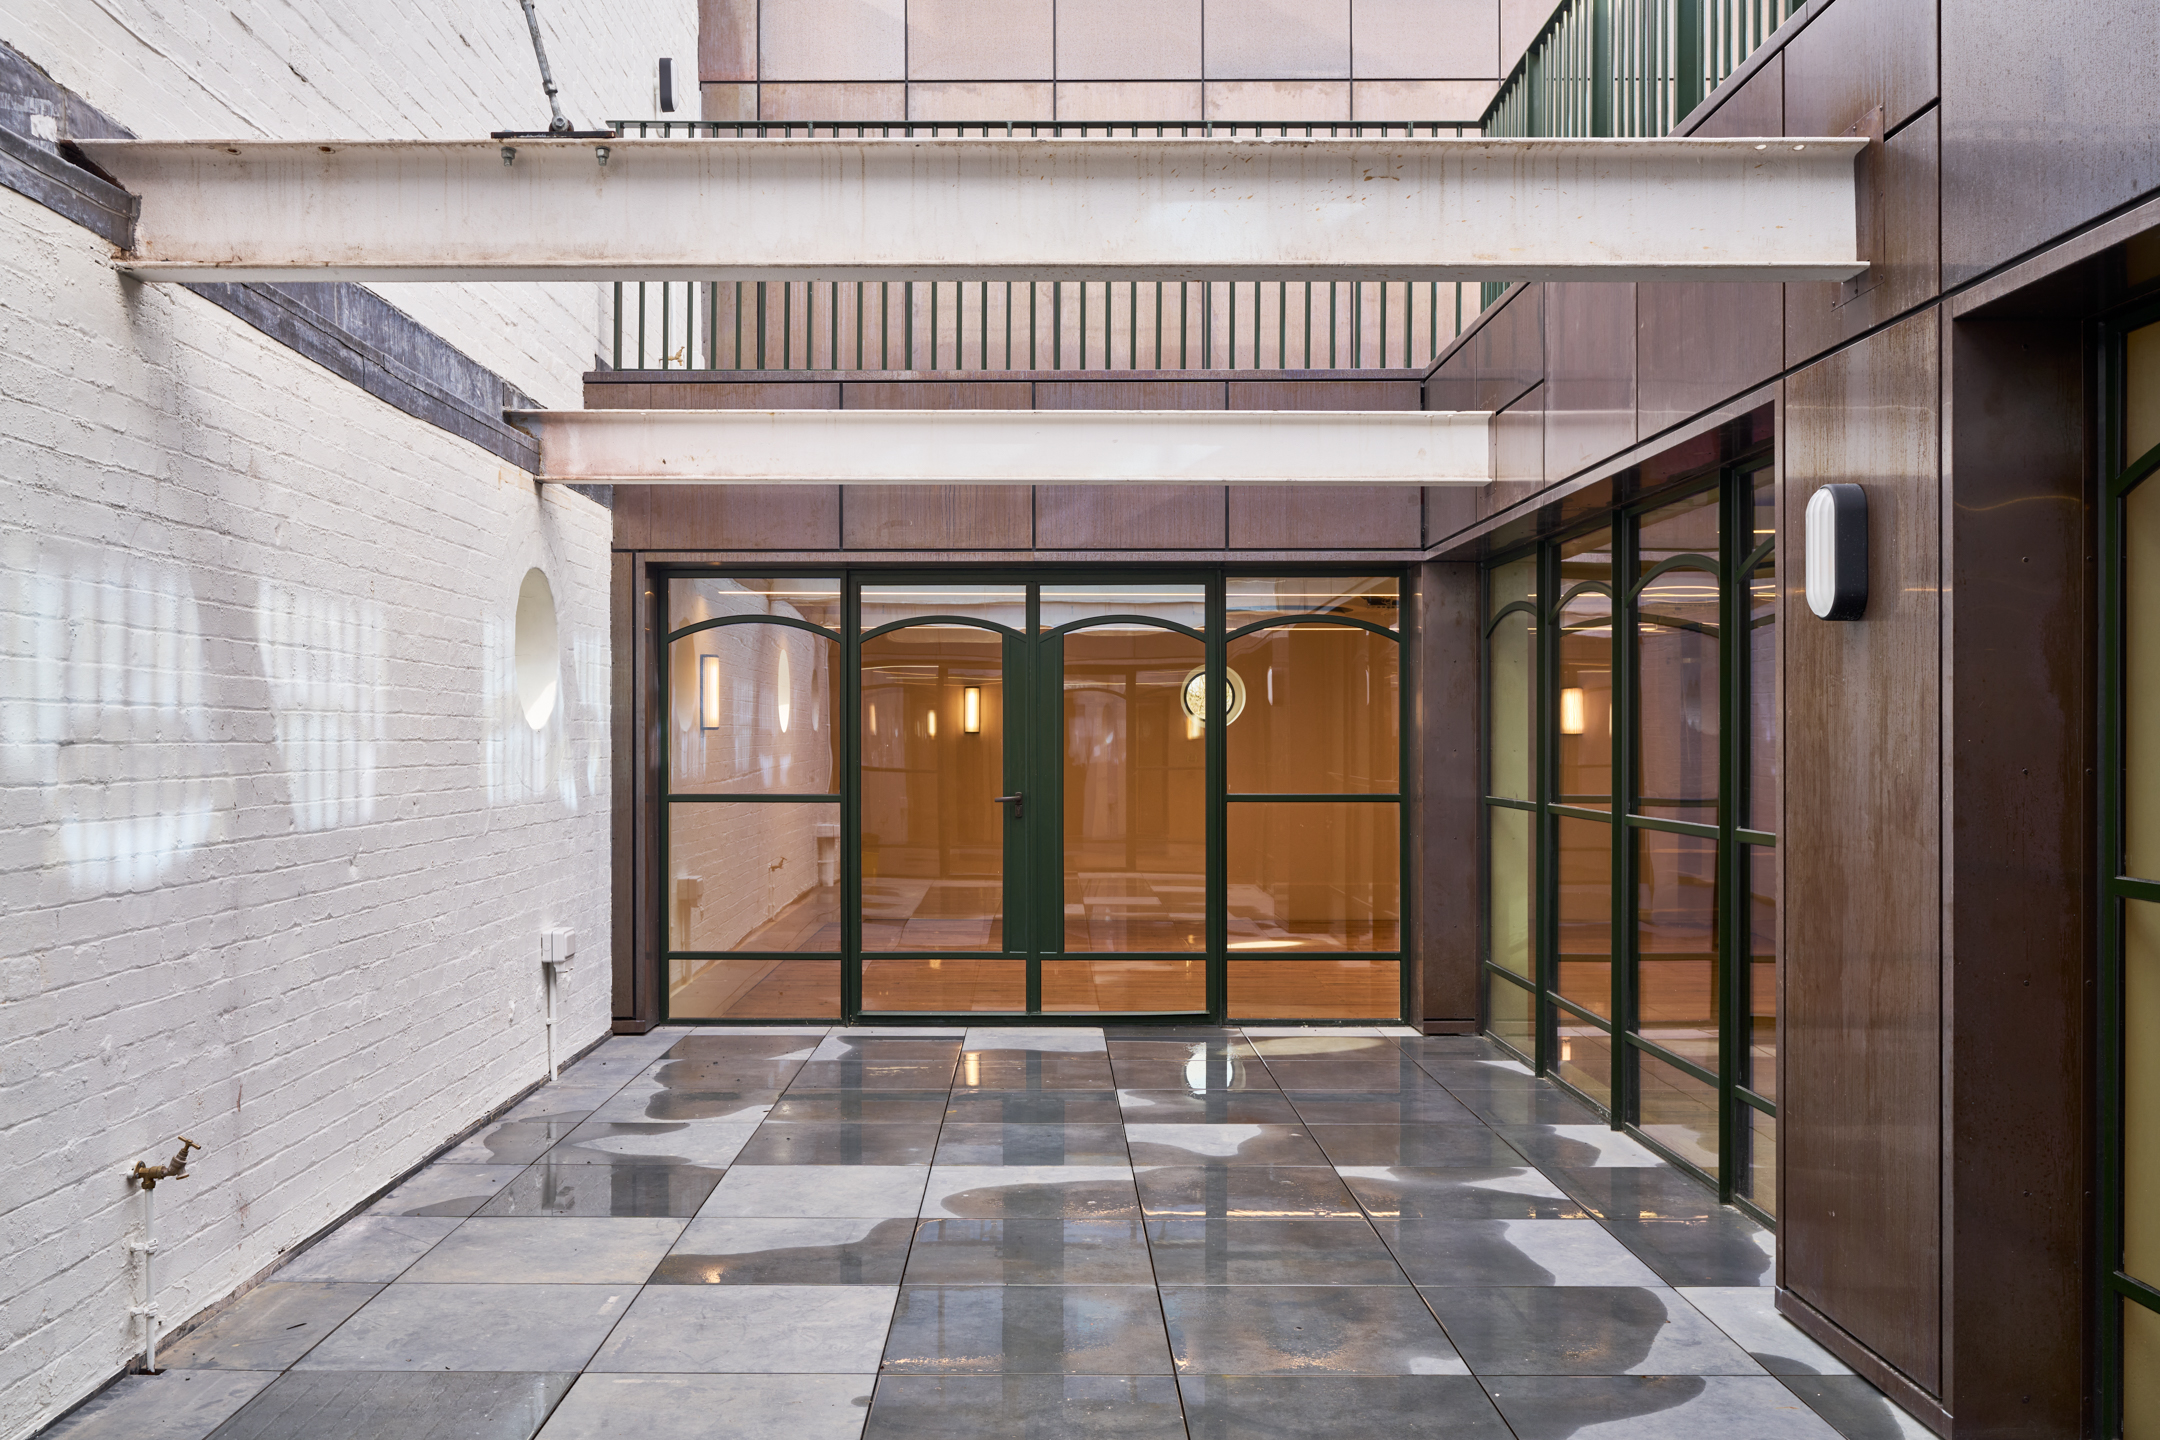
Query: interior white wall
{"points": [[276, 846], [386, 69]]}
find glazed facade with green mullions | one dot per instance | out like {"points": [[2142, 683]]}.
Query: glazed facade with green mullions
{"points": [[1631, 792], [1033, 793], [2129, 1100]]}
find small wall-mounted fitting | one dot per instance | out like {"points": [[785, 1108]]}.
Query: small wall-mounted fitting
{"points": [[174, 1169], [1837, 552], [667, 85], [558, 948], [509, 156], [600, 153]]}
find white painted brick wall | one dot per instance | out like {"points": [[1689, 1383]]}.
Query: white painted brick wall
{"points": [[381, 69], [275, 847]]}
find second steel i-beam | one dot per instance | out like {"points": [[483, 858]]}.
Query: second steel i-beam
{"points": [[989, 209]]}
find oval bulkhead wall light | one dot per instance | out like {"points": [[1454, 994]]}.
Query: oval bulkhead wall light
{"points": [[1837, 552]]}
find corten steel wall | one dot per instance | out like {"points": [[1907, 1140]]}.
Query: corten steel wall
{"points": [[1938, 815], [276, 844], [830, 526], [1436, 60]]}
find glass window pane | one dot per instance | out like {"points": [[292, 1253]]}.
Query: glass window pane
{"points": [[754, 877], [1676, 940], [755, 709], [1679, 1112], [1295, 989], [2141, 681], [1585, 919], [1762, 737], [1512, 875], [2141, 408], [692, 598], [944, 985], [1758, 1177], [1760, 1071], [2141, 1090], [1135, 794], [1322, 712], [999, 604], [1584, 722], [933, 834], [746, 989], [2140, 1372], [1511, 700], [1585, 1057], [1509, 1010], [1506, 584], [1375, 599], [1586, 557], [1128, 985], [1685, 527], [1677, 682], [1181, 604], [1314, 876]]}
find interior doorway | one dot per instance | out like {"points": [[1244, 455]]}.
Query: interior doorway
{"points": [[1161, 795]]}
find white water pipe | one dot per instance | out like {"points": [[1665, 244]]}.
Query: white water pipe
{"points": [[147, 1176], [558, 949]]}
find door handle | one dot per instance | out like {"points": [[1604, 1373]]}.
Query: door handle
{"points": [[1018, 801]]}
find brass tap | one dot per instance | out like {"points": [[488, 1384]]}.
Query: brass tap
{"points": [[173, 1169]]}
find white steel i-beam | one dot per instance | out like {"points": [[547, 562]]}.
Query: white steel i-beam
{"points": [[1009, 447], [992, 209]]}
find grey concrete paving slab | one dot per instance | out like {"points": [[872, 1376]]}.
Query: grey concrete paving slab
{"points": [[532, 1328], [1655, 1407], [175, 1405], [371, 1247], [1306, 1330], [682, 1407], [752, 1329], [1028, 1329], [833, 1191], [1025, 1407], [775, 1251], [269, 1327], [1306, 1407], [397, 1405], [549, 1251]]}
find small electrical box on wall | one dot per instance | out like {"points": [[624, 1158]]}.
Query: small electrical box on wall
{"points": [[1837, 552], [666, 87], [558, 948]]}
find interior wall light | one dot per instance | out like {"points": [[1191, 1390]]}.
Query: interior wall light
{"points": [[1837, 552], [971, 709], [930, 724], [708, 678], [1192, 693], [784, 682], [1571, 711]]}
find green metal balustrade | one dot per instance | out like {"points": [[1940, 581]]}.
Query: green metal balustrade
{"points": [[1001, 325]]}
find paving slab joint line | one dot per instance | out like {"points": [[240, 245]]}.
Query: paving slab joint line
{"points": [[219, 1306]]}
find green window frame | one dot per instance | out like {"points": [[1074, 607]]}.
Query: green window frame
{"points": [[1742, 561]]}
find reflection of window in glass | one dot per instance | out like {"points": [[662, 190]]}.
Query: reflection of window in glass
{"points": [[1585, 702], [1511, 683], [1058, 605], [1134, 796], [692, 598], [1004, 605], [754, 710], [1761, 583], [1512, 877], [1375, 599], [1293, 988], [1314, 876], [1323, 707], [1678, 990], [932, 832], [1584, 928], [1677, 678]]}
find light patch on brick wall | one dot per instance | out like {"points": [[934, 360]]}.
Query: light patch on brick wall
{"points": [[105, 716], [324, 659]]}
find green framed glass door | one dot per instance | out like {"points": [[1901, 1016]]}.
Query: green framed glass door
{"points": [[898, 795]]}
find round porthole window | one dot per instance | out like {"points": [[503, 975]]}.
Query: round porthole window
{"points": [[538, 654]]}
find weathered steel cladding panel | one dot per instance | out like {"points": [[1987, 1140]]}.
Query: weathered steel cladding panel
{"points": [[1447, 800], [2020, 598], [1862, 55], [1589, 375], [1698, 345], [1861, 1230], [1901, 208], [2046, 122]]}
